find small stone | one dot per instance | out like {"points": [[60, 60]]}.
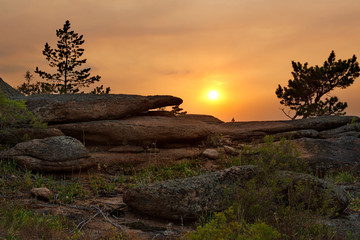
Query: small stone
{"points": [[229, 150], [42, 193], [211, 153]]}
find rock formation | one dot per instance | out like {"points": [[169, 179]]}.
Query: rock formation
{"points": [[342, 153], [190, 198], [61, 153], [187, 198], [310, 127], [138, 131], [69, 108], [9, 91]]}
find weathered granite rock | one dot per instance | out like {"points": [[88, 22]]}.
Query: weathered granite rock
{"points": [[307, 187], [309, 133], [163, 156], [211, 153], [42, 193], [16, 135], [324, 154], [9, 91], [189, 198], [127, 149], [230, 150], [138, 131], [156, 114], [60, 153], [249, 131], [340, 131], [68, 108], [202, 118], [347, 225]]}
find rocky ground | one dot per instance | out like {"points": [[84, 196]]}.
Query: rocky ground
{"points": [[114, 162], [103, 210]]}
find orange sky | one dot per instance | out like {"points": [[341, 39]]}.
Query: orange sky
{"points": [[185, 48]]}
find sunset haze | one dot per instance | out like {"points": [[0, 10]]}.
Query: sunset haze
{"points": [[240, 48]]}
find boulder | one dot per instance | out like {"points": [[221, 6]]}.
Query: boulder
{"points": [[307, 188], [138, 131], [60, 153], [68, 108], [42, 193], [341, 153], [9, 91], [187, 198], [249, 131], [230, 150], [211, 153], [190, 198]]}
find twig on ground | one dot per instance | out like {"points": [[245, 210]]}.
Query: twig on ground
{"points": [[107, 219]]}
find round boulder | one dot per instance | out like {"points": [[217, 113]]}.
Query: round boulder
{"points": [[60, 153]]}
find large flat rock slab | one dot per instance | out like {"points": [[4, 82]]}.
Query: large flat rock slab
{"points": [[251, 130], [68, 108], [341, 153], [162, 156], [138, 131]]}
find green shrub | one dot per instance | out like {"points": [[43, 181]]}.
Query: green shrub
{"points": [[227, 225], [14, 115], [154, 173], [271, 205], [16, 222], [345, 178], [270, 156]]}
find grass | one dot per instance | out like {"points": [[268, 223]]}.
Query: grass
{"points": [[262, 210], [16, 222], [258, 211], [343, 177], [155, 173]]}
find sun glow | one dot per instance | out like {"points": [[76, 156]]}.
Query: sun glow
{"points": [[213, 95]]}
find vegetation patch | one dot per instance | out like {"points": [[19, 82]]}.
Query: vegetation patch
{"points": [[269, 208], [16, 222], [154, 173]]}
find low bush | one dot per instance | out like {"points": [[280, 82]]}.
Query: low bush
{"points": [[14, 115], [231, 225], [16, 222], [270, 206]]}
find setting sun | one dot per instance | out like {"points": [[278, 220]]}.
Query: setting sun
{"points": [[213, 95]]}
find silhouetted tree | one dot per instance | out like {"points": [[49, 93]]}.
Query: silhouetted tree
{"points": [[29, 88], [66, 58], [100, 90], [176, 110], [28, 77], [304, 93]]}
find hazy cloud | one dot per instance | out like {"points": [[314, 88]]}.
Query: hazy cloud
{"points": [[178, 46], [5, 69]]}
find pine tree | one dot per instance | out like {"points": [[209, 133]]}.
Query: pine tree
{"points": [[66, 58], [304, 94], [29, 88]]}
